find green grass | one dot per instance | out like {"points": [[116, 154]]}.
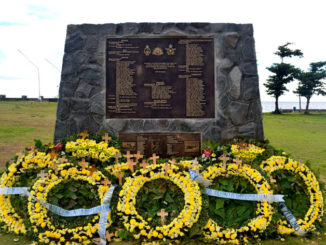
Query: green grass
{"points": [[11, 131], [11, 239], [303, 136], [21, 123]]}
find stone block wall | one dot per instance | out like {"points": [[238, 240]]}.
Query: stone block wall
{"points": [[81, 103]]}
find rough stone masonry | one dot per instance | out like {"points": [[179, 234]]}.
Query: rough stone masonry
{"points": [[82, 92]]}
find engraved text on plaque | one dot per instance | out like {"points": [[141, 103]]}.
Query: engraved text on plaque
{"points": [[160, 77], [163, 144]]}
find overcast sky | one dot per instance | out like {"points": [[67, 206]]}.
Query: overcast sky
{"points": [[38, 28]]}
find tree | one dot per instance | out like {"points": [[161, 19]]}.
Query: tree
{"points": [[311, 82], [283, 73], [283, 51]]}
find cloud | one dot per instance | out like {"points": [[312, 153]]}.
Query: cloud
{"points": [[10, 78], [41, 12], [8, 23]]}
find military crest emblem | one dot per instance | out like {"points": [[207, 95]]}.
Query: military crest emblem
{"points": [[170, 50], [158, 51], [147, 50]]}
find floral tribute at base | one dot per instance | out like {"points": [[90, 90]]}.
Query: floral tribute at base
{"points": [[157, 201]]}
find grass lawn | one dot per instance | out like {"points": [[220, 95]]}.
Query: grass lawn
{"points": [[21, 123], [303, 136]]}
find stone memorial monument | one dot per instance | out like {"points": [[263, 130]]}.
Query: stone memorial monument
{"points": [[161, 87]]}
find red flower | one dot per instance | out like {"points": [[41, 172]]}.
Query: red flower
{"points": [[58, 146], [207, 153]]}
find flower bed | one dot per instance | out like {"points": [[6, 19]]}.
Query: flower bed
{"points": [[157, 201]]}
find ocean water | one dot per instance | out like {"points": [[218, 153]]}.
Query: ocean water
{"points": [[269, 106]]}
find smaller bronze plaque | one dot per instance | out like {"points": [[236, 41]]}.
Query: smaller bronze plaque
{"points": [[165, 145]]}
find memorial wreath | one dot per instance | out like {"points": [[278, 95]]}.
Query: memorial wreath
{"points": [[67, 191]]}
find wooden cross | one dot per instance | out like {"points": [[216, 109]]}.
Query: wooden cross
{"points": [[92, 169], [271, 179], [144, 164], [84, 134], [224, 158], [53, 154], [162, 214], [83, 164], [97, 240], [19, 154], [194, 162], [106, 182], [128, 156], [154, 158], [120, 176], [237, 161], [109, 236], [54, 166], [172, 162], [63, 159], [138, 155], [166, 168], [117, 156], [131, 165], [243, 146], [106, 138], [42, 175]]}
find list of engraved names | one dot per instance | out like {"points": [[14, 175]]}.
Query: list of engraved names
{"points": [[160, 77]]}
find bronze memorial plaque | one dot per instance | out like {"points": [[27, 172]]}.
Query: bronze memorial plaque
{"points": [[160, 77], [163, 144]]}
